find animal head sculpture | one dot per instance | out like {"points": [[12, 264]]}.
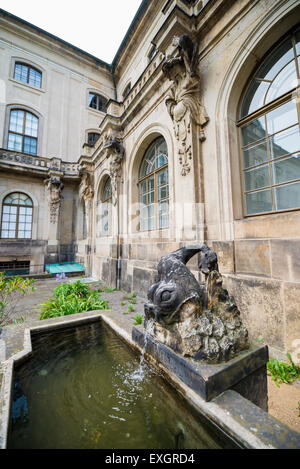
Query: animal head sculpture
{"points": [[174, 286]]}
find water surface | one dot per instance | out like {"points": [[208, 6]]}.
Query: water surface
{"points": [[82, 388]]}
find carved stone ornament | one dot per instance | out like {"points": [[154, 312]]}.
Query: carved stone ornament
{"points": [[86, 188], [198, 320], [115, 151], [55, 187], [183, 101]]}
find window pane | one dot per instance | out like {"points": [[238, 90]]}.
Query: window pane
{"points": [[107, 191], [31, 125], [282, 117], [253, 131], [21, 72], [14, 142], [287, 141], [163, 192], [257, 178], [287, 169], [16, 122], [30, 145], [257, 202], [284, 82], [255, 155], [35, 78], [254, 98], [276, 61], [287, 196], [162, 177]]}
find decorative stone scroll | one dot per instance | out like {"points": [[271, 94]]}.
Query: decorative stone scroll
{"points": [[183, 102], [54, 187], [115, 151], [198, 320]]}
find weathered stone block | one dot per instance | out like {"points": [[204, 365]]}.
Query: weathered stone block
{"points": [[225, 253], [285, 259], [253, 257], [141, 281], [261, 307]]}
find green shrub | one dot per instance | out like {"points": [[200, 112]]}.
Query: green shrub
{"points": [[282, 372], [72, 298], [12, 290]]}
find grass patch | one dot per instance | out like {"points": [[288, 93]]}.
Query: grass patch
{"points": [[138, 319], [282, 372], [72, 298]]}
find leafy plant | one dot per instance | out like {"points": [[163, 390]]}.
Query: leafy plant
{"points": [[138, 319], [110, 290], [72, 298], [130, 308], [12, 290], [282, 372], [122, 303]]}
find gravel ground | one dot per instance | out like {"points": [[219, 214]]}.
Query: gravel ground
{"points": [[283, 401]]}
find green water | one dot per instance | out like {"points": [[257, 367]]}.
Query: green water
{"points": [[83, 388]]}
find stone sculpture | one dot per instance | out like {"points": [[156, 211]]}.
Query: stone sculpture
{"points": [[198, 320], [183, 101], [86, 188], [54, 187], [114, 150]]}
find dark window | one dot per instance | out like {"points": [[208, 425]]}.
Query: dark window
{"points": [[23, 132], [15, 267], [92, 138], [96, 101], [16, 219], [28, 74], [127, 91]]}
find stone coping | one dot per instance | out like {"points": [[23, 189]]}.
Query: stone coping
{"points": [[246, 424]]}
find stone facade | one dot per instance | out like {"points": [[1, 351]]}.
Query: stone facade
{"points": [[187, 91]]}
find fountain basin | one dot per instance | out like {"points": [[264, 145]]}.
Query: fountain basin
{"points": [[242, 423], [246, 373]]}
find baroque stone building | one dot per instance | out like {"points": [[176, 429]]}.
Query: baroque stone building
{"points": [[190, 135]]}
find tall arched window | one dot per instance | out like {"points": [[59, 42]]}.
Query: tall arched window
{"points": [[16, 217], [105, 209], [269, 132], [23, 132], [154, 187]]}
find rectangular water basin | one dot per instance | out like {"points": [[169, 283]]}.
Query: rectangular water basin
{"points": [[83, 388]]}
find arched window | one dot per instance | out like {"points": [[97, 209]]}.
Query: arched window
{"points": [[23, 132], [269, 132], [16, 217], [105, 209], [28, 74], [98, 102], [154, 187]]}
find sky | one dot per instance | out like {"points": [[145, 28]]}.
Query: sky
{"points": [[96, 26]]}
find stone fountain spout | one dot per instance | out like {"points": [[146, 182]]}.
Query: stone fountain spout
{"points": [[198, 320]]}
